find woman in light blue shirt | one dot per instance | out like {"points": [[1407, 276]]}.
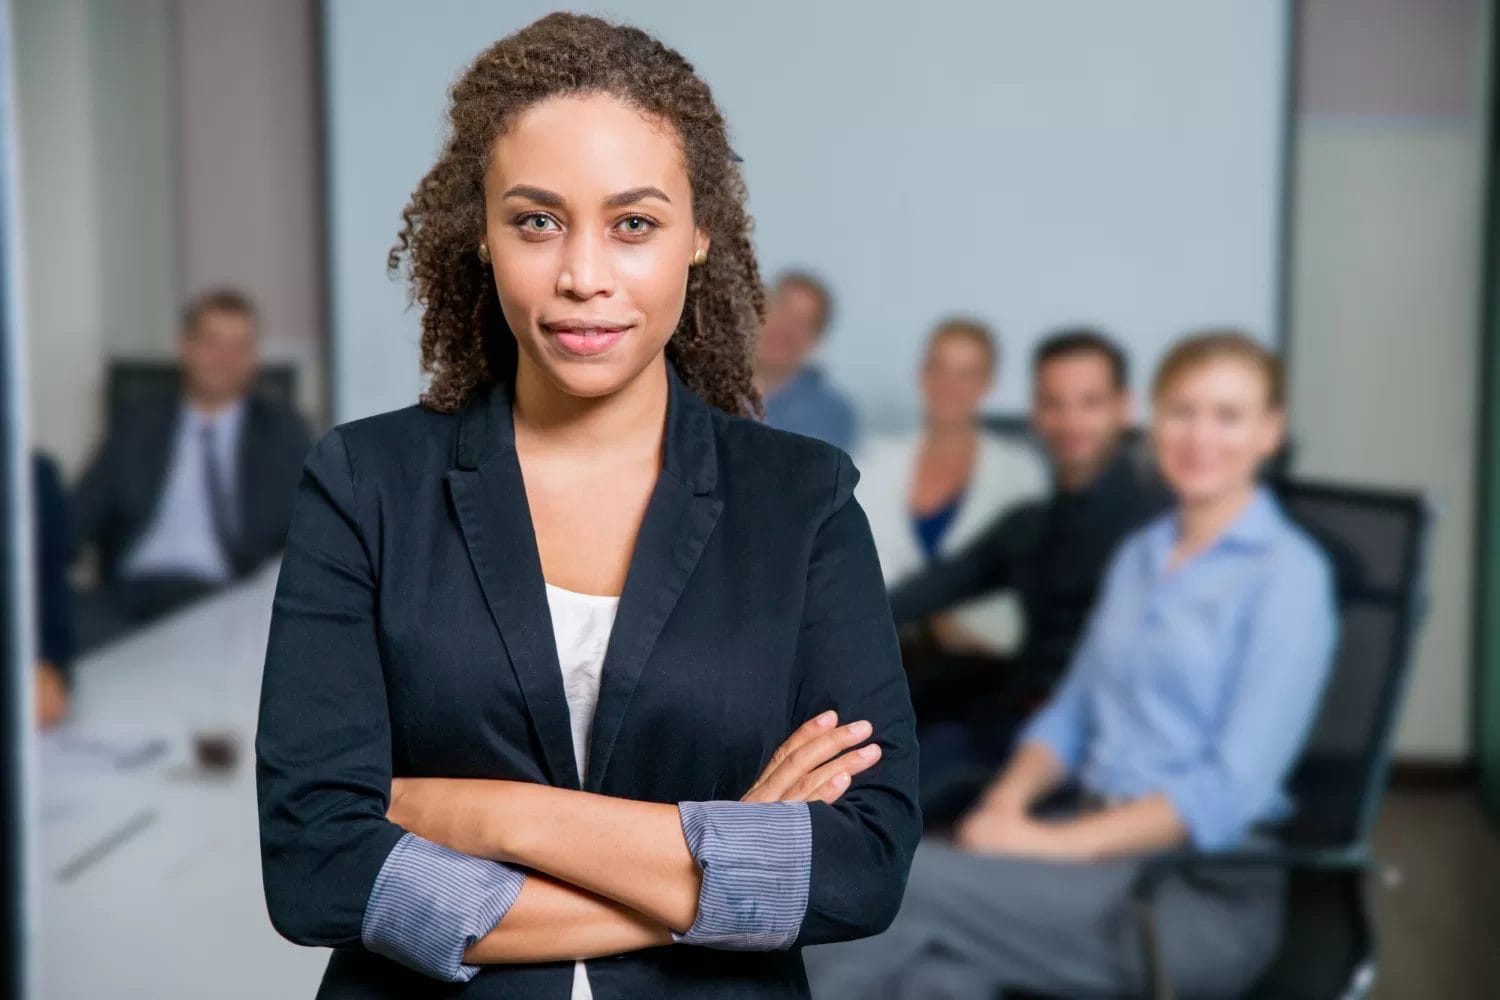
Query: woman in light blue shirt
{"points": [[1181, 716]]}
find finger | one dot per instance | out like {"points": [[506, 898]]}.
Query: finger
{"points": [[809, 730], [812, 755], [829, 782]]}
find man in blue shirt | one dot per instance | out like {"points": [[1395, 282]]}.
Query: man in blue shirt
{"points": [[796, 395]]}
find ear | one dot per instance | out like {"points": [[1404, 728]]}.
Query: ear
{"points": [[1127, 407], [701, 241], [1273, 432]]}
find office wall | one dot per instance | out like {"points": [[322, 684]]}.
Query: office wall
{"points": [[1034, 163], [167, 147], [1385, 294], [250, 162]]}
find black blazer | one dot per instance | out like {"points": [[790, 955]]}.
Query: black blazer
{"points": [[411, 636], [119, 492]]}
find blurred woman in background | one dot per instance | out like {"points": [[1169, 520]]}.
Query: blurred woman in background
{"points": [[1179, 721], [932, 491]]}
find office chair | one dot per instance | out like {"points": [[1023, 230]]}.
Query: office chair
{"points": [[1377, 542], [138, 381]]}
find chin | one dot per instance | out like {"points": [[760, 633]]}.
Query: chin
{"points": [[591, 378]]}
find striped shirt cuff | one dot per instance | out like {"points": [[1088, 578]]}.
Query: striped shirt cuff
{"points": [[430, 903], [756, 859]]}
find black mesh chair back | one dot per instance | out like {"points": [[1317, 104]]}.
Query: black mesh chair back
{"points": [[1377, 543], [132, 382]]}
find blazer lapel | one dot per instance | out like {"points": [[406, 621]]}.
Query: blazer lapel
{"points": [[680, 518], [489, 497]]}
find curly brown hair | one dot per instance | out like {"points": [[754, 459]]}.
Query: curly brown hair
{"points": [[466, 344]]}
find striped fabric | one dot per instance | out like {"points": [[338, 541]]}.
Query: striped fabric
{"points": [[757, 863], [430, 903]]}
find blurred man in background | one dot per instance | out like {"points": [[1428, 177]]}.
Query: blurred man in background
{"points": [[190, 493], [797, 397], [1051, 553]]}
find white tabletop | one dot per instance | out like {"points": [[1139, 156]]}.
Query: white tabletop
{"points": [[150, 874]]}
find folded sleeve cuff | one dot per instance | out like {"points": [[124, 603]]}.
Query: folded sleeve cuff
{"points": [[756, 859], [430, 903], [1058, 735]]}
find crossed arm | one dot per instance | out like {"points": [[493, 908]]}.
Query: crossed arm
{"points": [[613, 875], [571, 873]]}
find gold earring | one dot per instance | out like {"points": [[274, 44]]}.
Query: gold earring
{"points": [[484, 254], [700, 258]]}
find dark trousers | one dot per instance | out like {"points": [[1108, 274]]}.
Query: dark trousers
{"points": [[113, 610], [969, 710]]}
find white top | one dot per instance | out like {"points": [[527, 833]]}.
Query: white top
{"points": [[180, 538], [1005, 472], [581, 624]]}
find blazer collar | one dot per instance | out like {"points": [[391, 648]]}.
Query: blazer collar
{"points": [[489, 497], [486, 428]]}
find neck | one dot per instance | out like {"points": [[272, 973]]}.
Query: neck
{"points": [[633, 415], [207, 405], [1201, 522], [952, 437], [1080, 476]]}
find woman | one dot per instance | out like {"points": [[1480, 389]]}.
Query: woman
{"points": [[1180, 718], [932, 492], [530, 635]]}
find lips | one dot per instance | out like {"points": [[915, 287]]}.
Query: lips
{"points": [[586, 338]]}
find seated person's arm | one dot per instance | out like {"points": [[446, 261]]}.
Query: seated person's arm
{"points": [[1213, 801], [982, 567]]}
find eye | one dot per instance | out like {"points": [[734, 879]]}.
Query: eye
{"points": [[537, 223], [636, 225]]}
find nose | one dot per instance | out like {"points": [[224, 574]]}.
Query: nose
{"points": [[585, 267]]}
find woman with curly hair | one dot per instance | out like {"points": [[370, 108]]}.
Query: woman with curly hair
{"points": [[575, 659]]}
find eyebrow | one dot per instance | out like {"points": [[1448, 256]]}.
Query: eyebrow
{"points": [[552, 199]]}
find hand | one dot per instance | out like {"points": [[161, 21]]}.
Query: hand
{"points": [[996, 828], [811, 766], [447, 811], [51, 695]]}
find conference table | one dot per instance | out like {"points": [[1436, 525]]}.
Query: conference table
{"points": [[149, 866]]}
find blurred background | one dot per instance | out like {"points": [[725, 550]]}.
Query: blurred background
{"points": [[199, 196]]}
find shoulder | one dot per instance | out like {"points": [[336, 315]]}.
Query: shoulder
{"points": [[1017, 463], [151, 417], [275, 416], [1297, 561], [398, 439], [780, 467]]}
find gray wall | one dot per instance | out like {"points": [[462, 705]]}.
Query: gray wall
{"points": [[1034, 163], [166, 147], [1386, 291]]}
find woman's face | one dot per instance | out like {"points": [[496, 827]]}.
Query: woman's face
{"points": [[955, 379], [1213, 427], [589, 223]]}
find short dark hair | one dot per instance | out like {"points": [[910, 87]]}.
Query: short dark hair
{"points": [[230, 300], [814, 285], [1076, 340]]}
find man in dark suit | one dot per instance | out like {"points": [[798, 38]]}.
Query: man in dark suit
{"points": [[188, 494]]}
